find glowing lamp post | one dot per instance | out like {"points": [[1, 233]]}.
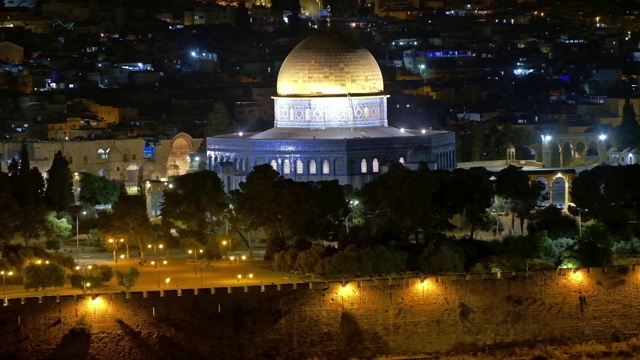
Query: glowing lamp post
{"points": [[195, 254], [238, 258], [116, 245], [246, 277], [85, 284], [155, 248], [10, 273], [225, 243], [156, 266], [78, 235]]}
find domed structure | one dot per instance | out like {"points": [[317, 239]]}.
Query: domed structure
{"points": [[328, 63], [330, 117], [329, 81]]}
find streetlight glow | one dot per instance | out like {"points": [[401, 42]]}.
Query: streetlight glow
{"points": [[10, 273]]}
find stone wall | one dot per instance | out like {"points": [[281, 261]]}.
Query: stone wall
{"points": [[353, 319]]}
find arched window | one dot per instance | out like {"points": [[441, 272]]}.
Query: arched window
{"points": [[274, 165], [299, 167], [291, 113], [363, 166], [102, 154], [312, 167], [286, 167], [307, 114], [376, 166], [401, 160], [325, 166]]}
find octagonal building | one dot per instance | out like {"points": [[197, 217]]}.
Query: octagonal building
{"points": [[330, 122]]}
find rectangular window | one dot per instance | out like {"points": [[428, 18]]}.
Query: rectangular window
{"points": [[85, 160], [70, 160]]}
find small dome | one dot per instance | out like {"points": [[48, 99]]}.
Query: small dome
{"points": [[115, 154], [328, 63], [418, 154]]}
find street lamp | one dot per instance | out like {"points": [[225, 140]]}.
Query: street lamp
{"points": [[78, 235], [85, 284], [225, 242], [195, 254], [155, 248], [246, 277], [156, 266], [238, 258], [10, 273], [167, 281], [116, 245]]}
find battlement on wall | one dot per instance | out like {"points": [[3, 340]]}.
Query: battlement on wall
{"points": [[320, 285]]}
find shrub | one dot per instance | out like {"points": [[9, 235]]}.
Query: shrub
{"points": [[441, 259], [128, 279], [627, 247], [42, 276], [310, 261], [52, 244]]}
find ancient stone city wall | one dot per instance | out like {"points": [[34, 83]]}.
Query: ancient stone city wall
{"points": [[336, 320]]}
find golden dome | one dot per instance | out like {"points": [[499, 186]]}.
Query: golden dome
{"points": [[328, 63]]}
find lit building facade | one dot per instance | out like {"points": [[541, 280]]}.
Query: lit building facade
{"points": [[330, 122]]}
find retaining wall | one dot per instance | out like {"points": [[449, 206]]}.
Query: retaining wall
{"points": [[337, 320]]}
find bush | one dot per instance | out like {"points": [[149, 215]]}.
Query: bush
{"points": [[42, 276], [441, 259], [556, 250], [52, 244], [66, 261], [630, 247], [310, 261], [285, 260], [128, 279]]}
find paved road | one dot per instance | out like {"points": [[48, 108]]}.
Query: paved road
{"points": [[182, 273]]}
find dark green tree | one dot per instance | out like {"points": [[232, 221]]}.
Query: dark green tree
{"points": [[27, 188], [9, 211], [520, 193], [627, 134], [218, 120], [593, 248], [128, 279], [59, 192], [130, 221], [554, 222], [257, 200], [472, 194], [96, 190], [41, 276], [195, 204]]}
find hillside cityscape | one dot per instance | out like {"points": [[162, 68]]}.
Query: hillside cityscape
{"points": [[183, 147]]}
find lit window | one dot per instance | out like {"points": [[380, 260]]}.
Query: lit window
{"points": [[299, 167], [287, 167], [325, 166], [312, 167], [274, 165], [376, 166], [102, 154], [363, 166]]}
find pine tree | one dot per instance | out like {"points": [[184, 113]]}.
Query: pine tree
{"points": [[59, 192]]}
